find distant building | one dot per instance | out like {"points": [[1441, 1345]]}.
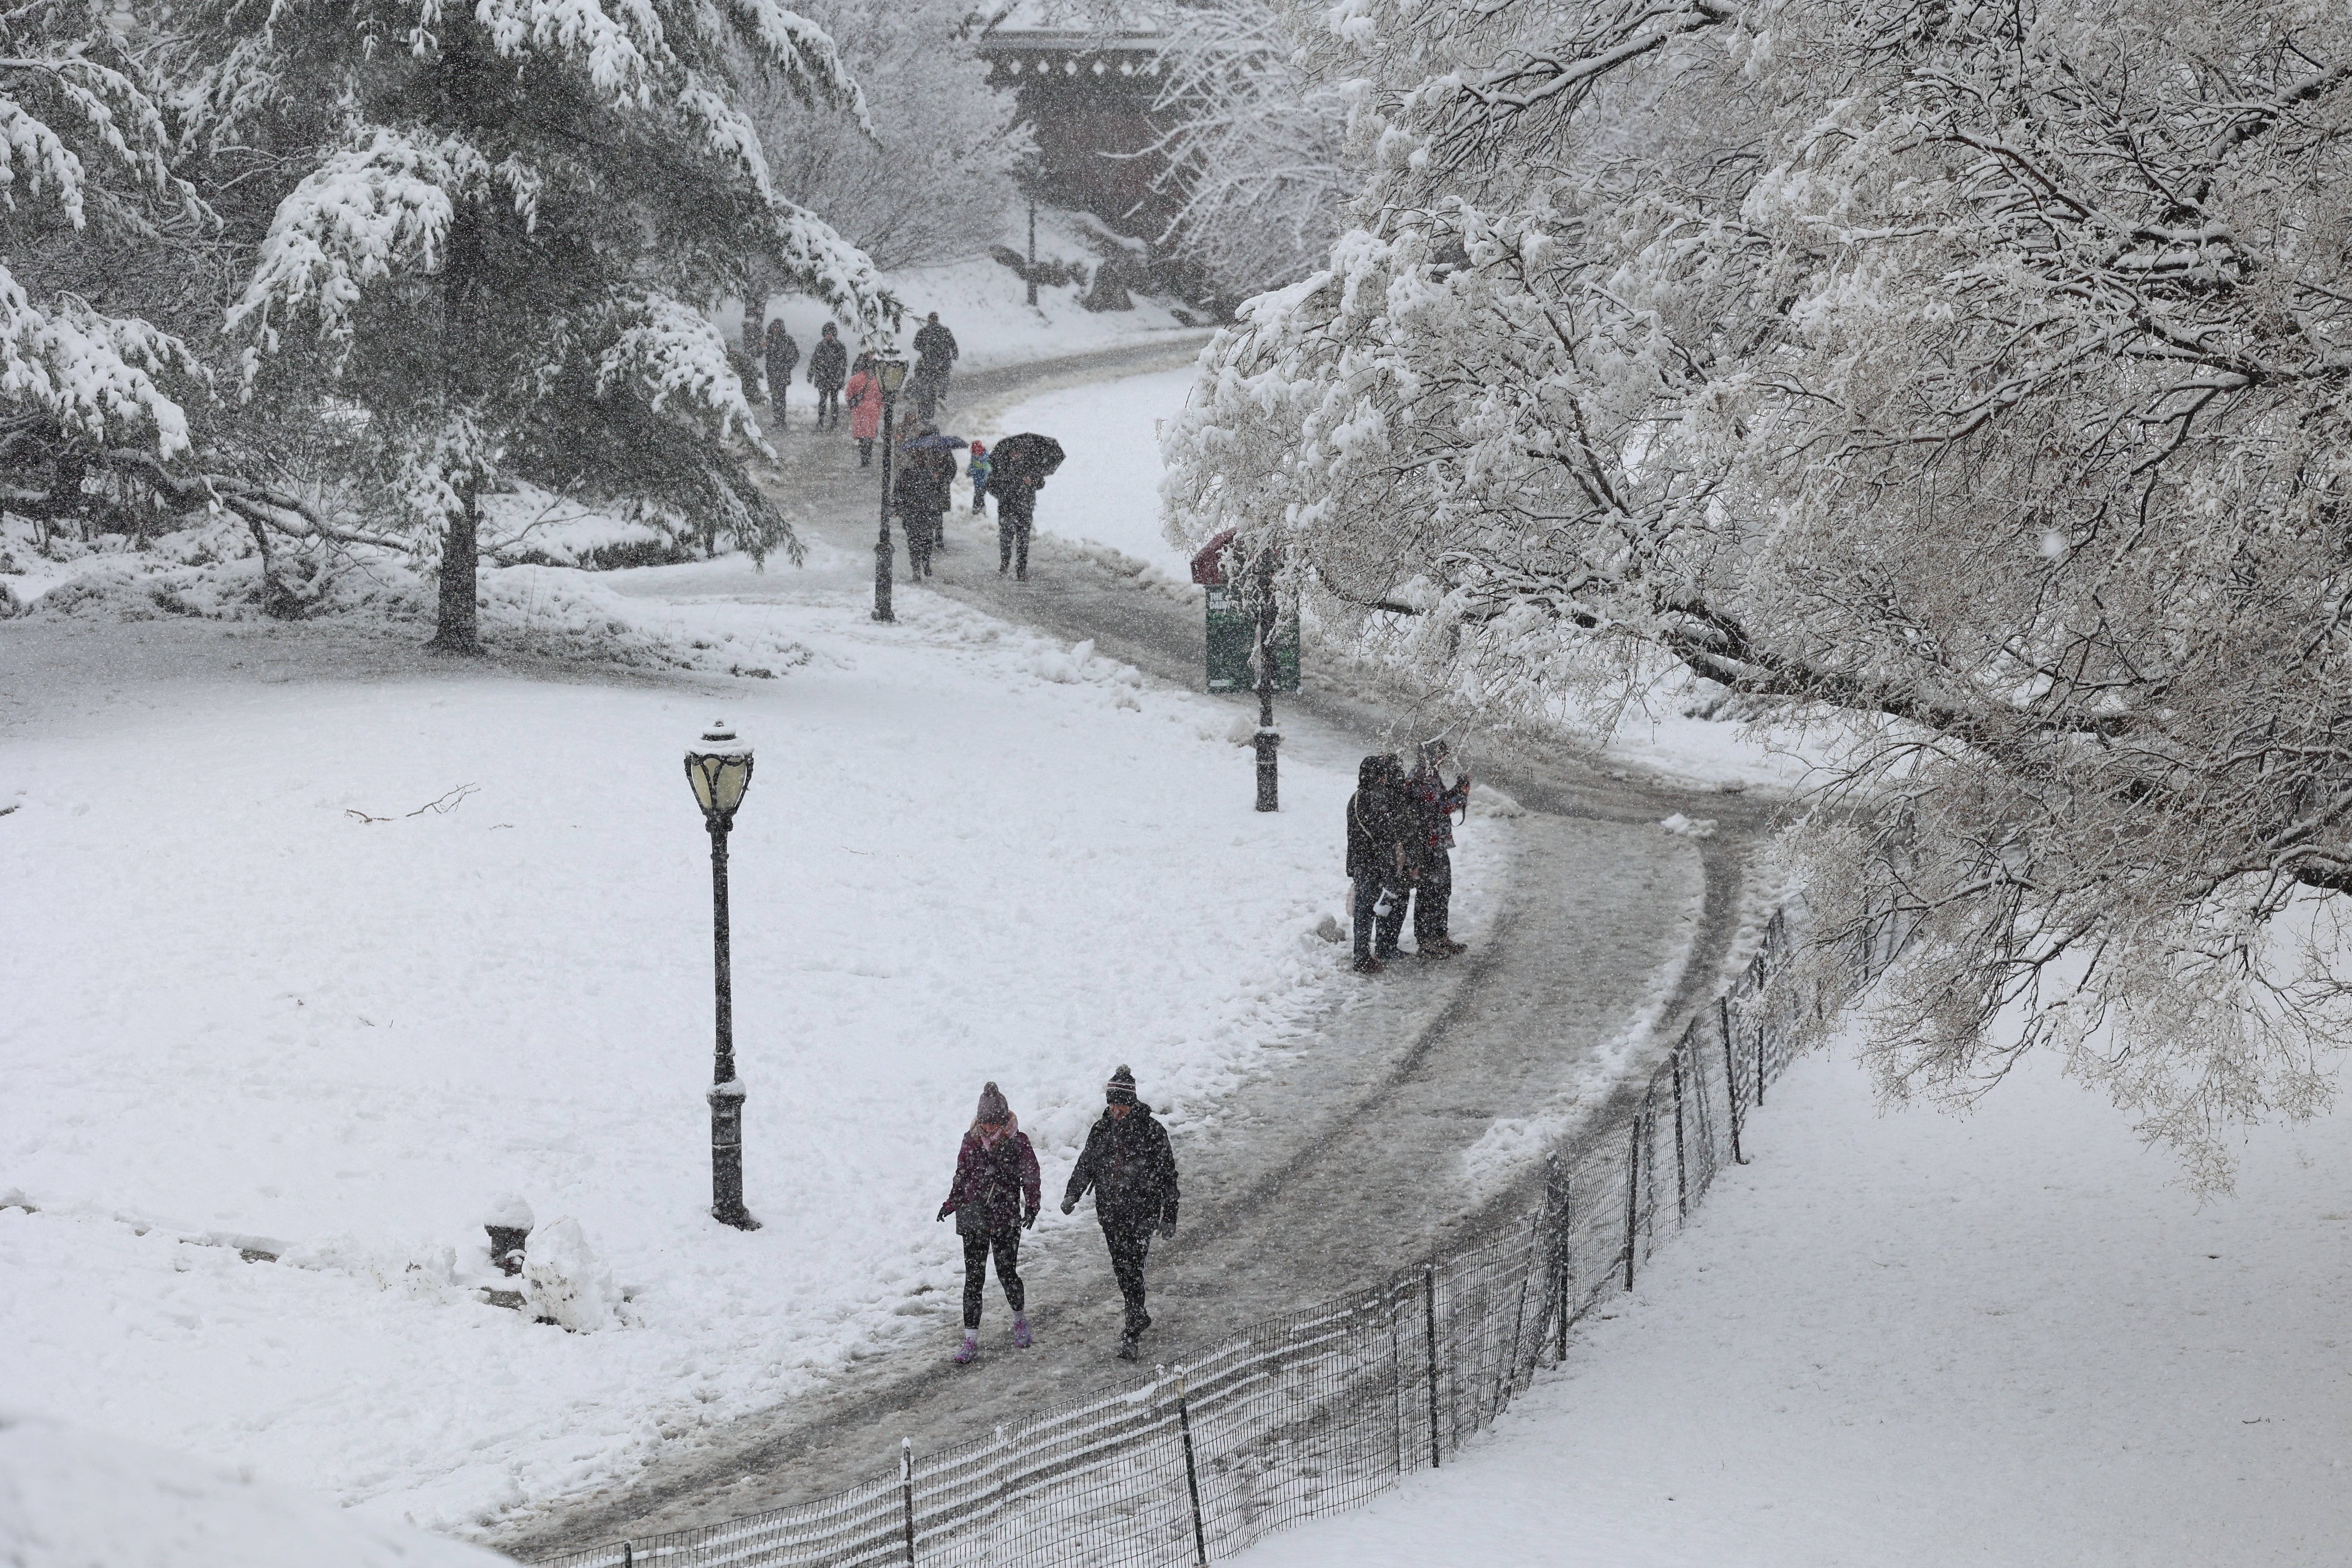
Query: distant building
{"points": [[1087, 96]]}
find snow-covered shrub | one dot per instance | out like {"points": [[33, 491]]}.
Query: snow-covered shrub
{"points": [[566, 1281]]}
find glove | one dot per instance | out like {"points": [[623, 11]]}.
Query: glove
{"points": [[1029, 1219], [944, 1211], [1167, 1227], [1068, 1207]]}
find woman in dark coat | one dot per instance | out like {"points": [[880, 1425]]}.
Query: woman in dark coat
{"points": [[920, 499], [995, 1197]]}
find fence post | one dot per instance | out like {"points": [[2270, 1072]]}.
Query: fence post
{"points": [[1633, 1194], [1396, 1375], [907, 1484], [1557, 1179], [1682, 1181], [1760, 1033], [1510, 1383], [628, 1557], [1191, 1475], [1003, 1486], [1429, 1308], [1730, 1074]]}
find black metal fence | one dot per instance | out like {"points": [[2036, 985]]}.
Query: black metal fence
{"points": [[1313, 1412]]}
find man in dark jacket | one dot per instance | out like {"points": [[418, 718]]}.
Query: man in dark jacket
{"points": [[782, 355], [935, 353], [1381, 824], [1132, 1171], [828, 368]]}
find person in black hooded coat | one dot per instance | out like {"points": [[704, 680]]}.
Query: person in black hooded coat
{"points": [[1132, 1170]]}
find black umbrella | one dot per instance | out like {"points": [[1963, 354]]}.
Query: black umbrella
{"points": [[1030, 455], [936, 444]]}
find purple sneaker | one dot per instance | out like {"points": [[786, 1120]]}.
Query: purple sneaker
{"points": [[1021, 1340], [970, 1351]]}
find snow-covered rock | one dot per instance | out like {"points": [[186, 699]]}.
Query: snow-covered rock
{"points": [[565, 1279]]}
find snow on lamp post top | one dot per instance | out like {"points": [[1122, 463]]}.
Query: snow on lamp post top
{"points": [[720, 769]]}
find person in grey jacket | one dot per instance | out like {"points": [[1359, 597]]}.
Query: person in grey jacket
{"points": [[1132, 1170]]}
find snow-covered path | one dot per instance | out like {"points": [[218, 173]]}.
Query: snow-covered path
{"points": [[1375, 1142]]}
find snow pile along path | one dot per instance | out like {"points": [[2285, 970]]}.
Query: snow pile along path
{"points": [[321, 969], [1912, 1339]]}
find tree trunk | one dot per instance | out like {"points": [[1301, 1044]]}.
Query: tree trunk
{"points": [[460, 627]]}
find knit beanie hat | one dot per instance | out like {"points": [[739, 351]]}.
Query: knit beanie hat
{"points": [[993, 1109], [1120, 1090]]}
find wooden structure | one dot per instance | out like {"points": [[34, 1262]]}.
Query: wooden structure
{"points": [[1087, 96]]}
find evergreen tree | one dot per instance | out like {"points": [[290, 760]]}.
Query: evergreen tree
{"points": [[84, 164], [518, 214]]}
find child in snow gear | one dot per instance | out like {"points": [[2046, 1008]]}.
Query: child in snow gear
{"points": [[782, 353], [977, 472], [828, 366], [1429, 858], [1132, 1170], [864, 395], [995, 1197], [1380, 823]]}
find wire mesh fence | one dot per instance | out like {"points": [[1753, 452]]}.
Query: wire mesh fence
{"points": [[1317, 1411]]}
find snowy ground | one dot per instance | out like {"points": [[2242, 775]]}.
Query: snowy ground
{"points": [[75, 1498], [1108, 491], [245, 1017], [1914, 1340]]}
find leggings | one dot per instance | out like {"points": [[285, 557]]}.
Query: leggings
{"points": [[976, 1249], [828, 401]]}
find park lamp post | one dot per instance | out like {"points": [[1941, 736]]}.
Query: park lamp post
{"points": [[892, 374], [719, 767], [1262, 661]]}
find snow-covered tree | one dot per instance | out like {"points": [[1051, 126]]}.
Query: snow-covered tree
{"points": [[85, 164], [512, 222], [933, 180], [1255, 143], [1973, 372]]}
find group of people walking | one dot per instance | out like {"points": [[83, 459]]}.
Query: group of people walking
{"points": [[836, 377], [920, 491], [1401, 854], [1128, 1165]]}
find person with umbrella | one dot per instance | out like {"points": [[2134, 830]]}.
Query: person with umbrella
{"points": [[1017, 471], [919, 496], [933, 446]]}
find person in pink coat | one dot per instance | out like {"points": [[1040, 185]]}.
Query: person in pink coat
{"points": [[864, 396]]}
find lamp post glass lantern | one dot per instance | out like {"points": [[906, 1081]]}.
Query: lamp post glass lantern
{"points": [[892, 374], [718, 769]]}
